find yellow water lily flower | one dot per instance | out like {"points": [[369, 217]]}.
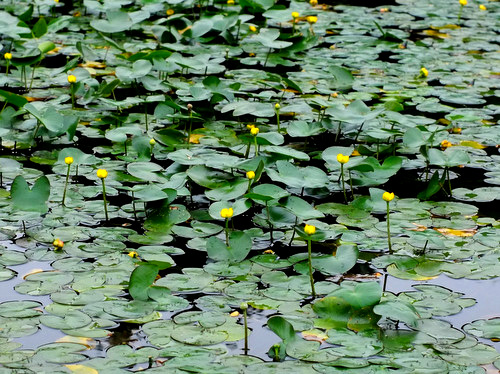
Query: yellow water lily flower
{"points": [[71, 78], [8, 56], [312, 19], [68, 160], [170, 12], [152, 141], [295, 14], [482, 7], [463, 2], [254, 130], [250, 174], [424, 72], [252, 28], [342, 159], [58, 244], [102, 173], [388, 196], [309, 229], [226, 213]]}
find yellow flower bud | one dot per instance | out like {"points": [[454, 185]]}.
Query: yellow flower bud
{"points": [[342, 159], [424, 72], [309, 229], [295, 14], [102, 173], [170, 12], [68, 160], [463, 2], [8, 56], [482, 7], [235, 314], [277, 106], [58, 244], [230, 2], [313, 2], [446, 144], [250, 174], [388, 196], [269, 252], [226, 213], [152, 141], [312, 19], [254, 130], [250, 126], [253, 28], [133, 254], [71, 78]]}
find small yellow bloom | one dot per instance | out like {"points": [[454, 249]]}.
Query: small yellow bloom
{"points": [[56, 1], [152, 141], [102, 173], [68, 160], [424, 72], [254, 131], [384, 10], [230, 2], [295, 15], [252, 28], [71, 78], [58, 244], [133, 254], [269, 252], [445, 144], [235, 314], [250, 126], [277, 106], [342, 159], [250, 174], [8, 56], [482, 7], [456, 130], [313, 2], [170, 12], [309, 229], [312, 19], [226, 213], [355, 153], [463, 2], [388, 196]]}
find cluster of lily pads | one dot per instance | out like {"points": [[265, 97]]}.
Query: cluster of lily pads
{"points": [[229, 184]]}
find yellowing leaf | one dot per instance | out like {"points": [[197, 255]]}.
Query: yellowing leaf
{"points": [[409, 274], [33, 271], [93, 64], [53, 51], [314, 335], [195, 138], [82, 369], [448, 26], [452, 232], [88, 342], [436, 34], [472, 144]]}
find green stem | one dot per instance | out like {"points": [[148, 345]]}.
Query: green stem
{"points": [[249, 185], [278, 120], [460, 13], [72, 96], [350, 183], [7, 68], [104, 199], [310, 267], [66, 184], [256, 145], [190, 127], [343, 181], [227, 232], [388, 229], [245, 323]]}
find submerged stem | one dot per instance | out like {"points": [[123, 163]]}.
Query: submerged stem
{"points": [[310, 267]]}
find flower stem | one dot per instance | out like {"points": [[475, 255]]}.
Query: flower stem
{"points": [[104, 199], [343, 181], [278, 120], [245, 323], [66, 185], [310, 267], [256, 145], [227, 232], [388, 229]]}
